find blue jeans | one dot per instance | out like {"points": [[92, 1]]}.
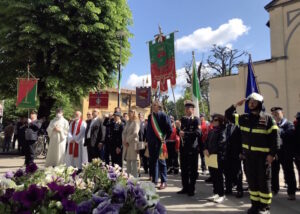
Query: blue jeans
{"points": [[158, 166]]}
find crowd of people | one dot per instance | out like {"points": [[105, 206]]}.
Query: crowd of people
{"points": [[254, 143]]}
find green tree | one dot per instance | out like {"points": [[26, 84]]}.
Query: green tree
{"points": [[72, 46]]}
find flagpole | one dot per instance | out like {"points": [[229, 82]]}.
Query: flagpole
{"points": [[174, 103]]}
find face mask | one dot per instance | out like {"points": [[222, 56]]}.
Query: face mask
{"points": [[59, 115]]}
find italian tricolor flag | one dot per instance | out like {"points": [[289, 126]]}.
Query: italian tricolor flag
{"points": [[196, 95]]}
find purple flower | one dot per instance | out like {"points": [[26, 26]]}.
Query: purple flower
{"points": [[31, 168], [160, 209], [53, 186], [98, 199], [19, 173], [65, 191], [141, 202], [84, 207], [8, 194], [69, 205], [118, 194], [28, 197], [74, 174], [107, 207], [9, 175], [112, 176]]}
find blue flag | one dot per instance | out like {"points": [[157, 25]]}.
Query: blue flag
{"points": [[251, 83]]}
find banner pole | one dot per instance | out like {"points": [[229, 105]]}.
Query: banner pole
{"points": [[174, 103]]}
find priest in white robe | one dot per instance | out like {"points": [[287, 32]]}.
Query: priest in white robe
{"points": [[57, 131], [76, 151]]}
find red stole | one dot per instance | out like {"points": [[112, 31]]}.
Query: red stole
{"points": [[75, 144]]}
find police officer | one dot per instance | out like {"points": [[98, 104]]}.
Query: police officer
{"points": [[189, 133], [259, 134], [284, 155]]}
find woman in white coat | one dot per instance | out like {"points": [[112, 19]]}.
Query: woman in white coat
{"points": [[130, 138]]}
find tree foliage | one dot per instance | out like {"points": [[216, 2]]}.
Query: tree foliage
{"points": [[71, 45]]}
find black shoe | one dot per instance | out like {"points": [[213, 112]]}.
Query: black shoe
{"points": [[264, 211], [239, 194], [183, 191], [208, 180], [176, 171]]}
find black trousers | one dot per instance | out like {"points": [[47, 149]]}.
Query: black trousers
{"points": [[202, 157], [217, 178], [172, 161], [233, 174], [93, 151], [28, 151], [258, 174], [297, 163], [189, 169], [116, 158], [145, 160], [107, 153], [285, 159]]}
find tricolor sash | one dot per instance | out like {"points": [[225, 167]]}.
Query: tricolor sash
{"points": [[163, 152], [74, 146]]}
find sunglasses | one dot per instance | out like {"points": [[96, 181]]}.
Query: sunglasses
{"points": [[216, 120]]}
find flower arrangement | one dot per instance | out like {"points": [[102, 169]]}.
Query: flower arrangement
{"points": [[98, 189]]}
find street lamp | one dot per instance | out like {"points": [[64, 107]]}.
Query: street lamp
{"points": [[120, 34]]}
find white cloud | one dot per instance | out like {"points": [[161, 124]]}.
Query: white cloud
{"points": [[204, 38], [137, 81]]}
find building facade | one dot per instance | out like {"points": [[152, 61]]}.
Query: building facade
{"points": [[279, 77], [127, 100]]}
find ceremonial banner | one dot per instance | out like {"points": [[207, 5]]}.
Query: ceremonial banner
{"points": [[143, 96], [196, 94], [98, 100], [162, 60], [27, 91]]}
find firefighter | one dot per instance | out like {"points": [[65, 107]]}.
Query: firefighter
{"points": [[189, 133], [260, 139]]}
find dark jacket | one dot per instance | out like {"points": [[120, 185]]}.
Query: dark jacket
{"points": [[116, 130], [259, 133], [216, 142], [142, 132], [164, 123], [97, 132], [190, 127], [297, 137], [233, 142], [287, 135], [108, 125], [31, 133]]}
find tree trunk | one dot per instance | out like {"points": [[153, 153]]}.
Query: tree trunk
{"points": [[46, 104]]}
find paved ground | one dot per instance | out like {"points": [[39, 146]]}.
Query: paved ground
{"points": [[183, 204]]}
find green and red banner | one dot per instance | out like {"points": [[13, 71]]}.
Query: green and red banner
{"points": [[27, 91], [162, 58]]}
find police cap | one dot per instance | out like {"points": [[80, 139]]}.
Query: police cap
{"points": [[189, 103]]}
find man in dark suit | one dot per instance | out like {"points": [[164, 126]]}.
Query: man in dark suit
{"points": [[159, 128], [95, 137], [31, 136]]}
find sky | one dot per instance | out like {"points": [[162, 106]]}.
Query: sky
{"points": [[238, 24]]}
